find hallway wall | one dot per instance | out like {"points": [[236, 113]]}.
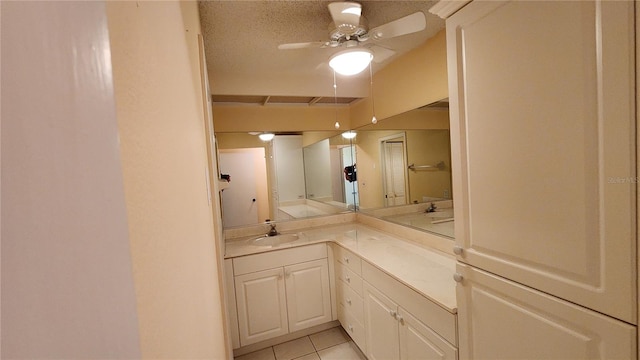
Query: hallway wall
{"points": [[67, 285], [162, 139]]}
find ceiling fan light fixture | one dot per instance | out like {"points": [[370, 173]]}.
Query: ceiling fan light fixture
{"points": [[351, 61], [266, 136]]}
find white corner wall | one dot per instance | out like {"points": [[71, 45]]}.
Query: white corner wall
{"points": [[160, 119], [67, 286]]}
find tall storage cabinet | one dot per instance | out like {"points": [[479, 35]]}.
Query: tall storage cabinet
{"points": [[542, 106]]}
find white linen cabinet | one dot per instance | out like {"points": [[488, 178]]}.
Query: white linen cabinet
{"points": [[542, 106]]}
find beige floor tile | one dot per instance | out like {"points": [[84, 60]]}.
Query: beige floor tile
{"points": [[329, 338], [346, 351], [264, 354], [294, 349], [312, 356]]}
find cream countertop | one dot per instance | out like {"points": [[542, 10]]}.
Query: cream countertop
{"points": [[428, 272]]}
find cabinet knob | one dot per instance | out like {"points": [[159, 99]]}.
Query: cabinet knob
{"points": [[346, 259], [457, 250], [349, 301], [457, 277], [347, 278], [392, 313], [399, 317], [350, 327]]}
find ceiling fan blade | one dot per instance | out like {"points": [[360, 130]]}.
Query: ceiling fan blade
{"points": [[345, 14], [293, 46], [406, 25], [380, 53]]}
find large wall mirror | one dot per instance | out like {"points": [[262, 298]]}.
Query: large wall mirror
{"points": [[404, 169], [293, 176]]}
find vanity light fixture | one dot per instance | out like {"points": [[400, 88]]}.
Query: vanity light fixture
{"points": [[349, 134], [266, 136], [351, 61]]}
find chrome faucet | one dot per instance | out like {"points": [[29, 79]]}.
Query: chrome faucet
{"points": [[273, 231], [431, 208]]}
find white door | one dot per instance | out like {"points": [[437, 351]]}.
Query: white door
{"points": [[381, 326], [543, 142], [500, 319], [394, 172], [239, 205], [289, 167], [308, 296], [262, 305]]}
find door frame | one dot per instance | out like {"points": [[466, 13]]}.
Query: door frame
{"points": [[399, 137]]}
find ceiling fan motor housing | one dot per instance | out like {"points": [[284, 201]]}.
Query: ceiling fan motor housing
{"points": [[344, 31]]}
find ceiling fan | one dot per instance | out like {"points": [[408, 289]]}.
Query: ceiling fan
{"points": [[349, 30]]}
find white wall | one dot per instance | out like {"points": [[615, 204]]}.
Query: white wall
{"points": [[67, 286]]}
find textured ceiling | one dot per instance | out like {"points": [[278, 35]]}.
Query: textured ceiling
{"points": [[241, 39]]}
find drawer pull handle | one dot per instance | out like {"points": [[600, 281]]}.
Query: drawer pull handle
{"points": [[346, 259], [349, 301], [457, 277]]}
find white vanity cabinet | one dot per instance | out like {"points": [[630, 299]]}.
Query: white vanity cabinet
{"points": [[402, 324], [348, 270], [281, 292], [542, 107]]}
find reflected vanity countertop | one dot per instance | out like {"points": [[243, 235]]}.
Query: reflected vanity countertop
{"points": [[428, 272]]}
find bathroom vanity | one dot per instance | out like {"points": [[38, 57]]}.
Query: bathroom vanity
{"points": [[395, 299]]}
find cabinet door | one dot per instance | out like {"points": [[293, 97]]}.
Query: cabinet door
{"points": [[262, 307], [500, 319], [543, 127], [308, 296], [381, 326], [417, 341]]}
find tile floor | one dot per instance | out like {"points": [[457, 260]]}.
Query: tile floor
{"points": [[332, 344]]}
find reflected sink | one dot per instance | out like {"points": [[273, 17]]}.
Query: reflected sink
{"points": [[440, 214], [274, 240]]}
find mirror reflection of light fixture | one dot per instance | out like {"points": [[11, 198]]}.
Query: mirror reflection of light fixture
{"points": [[266, 136], [351, 61], [349, 134], [374, 120]]}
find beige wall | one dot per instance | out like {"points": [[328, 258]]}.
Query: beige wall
{"points": [[67, 283], [417, 78], [429, 148], [229, 118], [162, 141]]}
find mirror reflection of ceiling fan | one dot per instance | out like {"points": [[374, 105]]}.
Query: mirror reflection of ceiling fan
{"points": [[350, 32]]}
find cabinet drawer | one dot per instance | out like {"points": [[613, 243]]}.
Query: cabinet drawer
{"points": [[349, 277], [274, 259], [352, 326], [348, 259], [351, 301], [437, 318]]}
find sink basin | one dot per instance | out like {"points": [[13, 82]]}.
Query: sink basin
{"points": [[274, 240]]}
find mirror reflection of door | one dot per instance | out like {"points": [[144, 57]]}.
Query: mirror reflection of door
{"points": [[350, 188], [288, 170], [393, 152], [245, 201]]}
